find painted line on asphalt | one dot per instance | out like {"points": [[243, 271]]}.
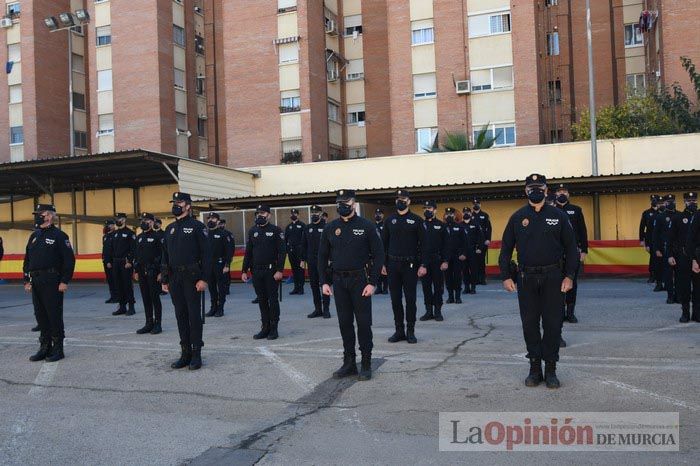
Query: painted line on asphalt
{"points": [[300, 379], [292, 343], [43, 379], [650, 394]]}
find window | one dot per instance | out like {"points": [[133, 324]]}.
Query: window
{"points": [[552, 43], [104, 80], [551, 2], [425, 138], [78, 101], [181, 121], [290, 101], [200, 88], [492, 78], [353, 25], [78, 30], [201, 127], [335, 153], [332, 66], [13, 10], [636, 84], [485, 25], [199, 44], [356, 117], [80, 139], [504, 134], [103, 35], [178, 35], [17, 135], [284, 6], [105, 124], [554, 90], [424, 86], [288, 53], [15, 93], [333, 112], [422, 32], [500, 23], [556, 135], [78, 63], [14, 53], [357, 152], [355, 70], [179, 78], [633, 35]]}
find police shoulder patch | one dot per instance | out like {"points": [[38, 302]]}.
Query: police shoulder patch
{"points": [[685, 220]]}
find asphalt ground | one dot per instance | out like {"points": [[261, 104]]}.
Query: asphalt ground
{"points": [[115, 400]]}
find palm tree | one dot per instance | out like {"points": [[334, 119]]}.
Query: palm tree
{"points": [[454, 142]]}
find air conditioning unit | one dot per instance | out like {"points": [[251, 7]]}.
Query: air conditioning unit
{"points": [[463, 87], [332, 75], [6, 23], [331, 27]]}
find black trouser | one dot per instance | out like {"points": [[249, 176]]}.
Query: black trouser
{"points": [[481, 265], [570, 298], [227, 279], [668, 275], [123, 281], [403, 280], [382, 284], [188, 312], [48, 304], [453, 277], [266, 288], [540, 299], [652, 274], [297, 270], [470, 270], [109, 276], [150, 294], [216, 279], [658, 266], [321, 302], [687, 282], [349, 304], [433, 284]]}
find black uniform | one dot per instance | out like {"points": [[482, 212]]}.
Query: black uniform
{"points": [[264, 256], [221, 247], [693, 250], [457, 246], [355, 250], [48, 262], [405, 245], [147, 262], [482, 219], [578, 223], [109, 271], [646, 228], [309, 254], [543, 239], [470, 267], [185, 260], [227, 277], [121, 252], [660, 243], [294, 234], [436, 253], [383, 281], [687, 282]]}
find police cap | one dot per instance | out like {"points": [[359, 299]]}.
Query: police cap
{"points": [[345, 194], [181, 197], [535, 180], [263, 208], [432, 204], [147, 216], [690, 196], [44, 208]]}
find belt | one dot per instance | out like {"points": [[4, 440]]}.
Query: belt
{"points": [[540, 269], [403, 259], [263, 267], [184, 268], [349, 273], [34, 273]]}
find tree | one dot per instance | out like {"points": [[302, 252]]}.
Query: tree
{"points": [[454, 142]]}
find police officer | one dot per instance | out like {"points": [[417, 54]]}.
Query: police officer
{"points": [[405, 245], [680, 258], [645, 233], [227, 276], [221, 249], [662, 224], [476, 240], [107, 236], [457, 246], [309, 257], [157, 228], [48, 268], [693, 250], [120, 258], [186, 259], [482, 219], [544, 238], [578, 223], [354, 247], [294, 234], [382, 284], [437, 257], [264, 257], [147, 260]]}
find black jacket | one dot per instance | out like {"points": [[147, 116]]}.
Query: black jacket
{"points": [[49, 248]]}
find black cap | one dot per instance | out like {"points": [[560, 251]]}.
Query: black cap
{"points": [[432, 204], [316, 208], [109, 222], [345, 194], [147, 216], [222, 221], [378, 211], [181, 197], [263, 208], [324, 214], [403, 193], [214, 215], [535, 180], [690, 196], [449, 210], [466, 209], [295, 211], [476, 200], [562, 186], [44, 208], [670, 197], [120, 215], [655, 197]]}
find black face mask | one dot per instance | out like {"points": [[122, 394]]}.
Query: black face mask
{"points": [[428, 214], [212, 224], [692, 207], [260, 220], [294, 218], [654, 203], [145, 226], [670, 205], [121, 222], [562, 199], [450, 219], [378, 218], [477, 207], [536, 195], [401, 204], [177, 210], [38, 220], [156, 226], [466, 217], [344, 210], [662, 207], [315, 218]]}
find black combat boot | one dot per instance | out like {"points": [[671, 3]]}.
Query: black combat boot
{"points": [[365, 367], [196, 360], [570, 316], [659, 287], [256, 300], [119, 312], [696, 314], [650, 279], [428, 313], [685, 314], [35, 329], [535, 377], [212, 311], [219, 311], [410, 333], [273, 335], [458, 298], [131, 311], [185, 357], [472, 289], [263, 333], [44, 349], [451, 297], [315, 314], [156, 329], [327, 310], [550, 374], [146, 328], [438, 314], [562, 343], [56, 352], [348, 368], [670, 300], [398, 335]]}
